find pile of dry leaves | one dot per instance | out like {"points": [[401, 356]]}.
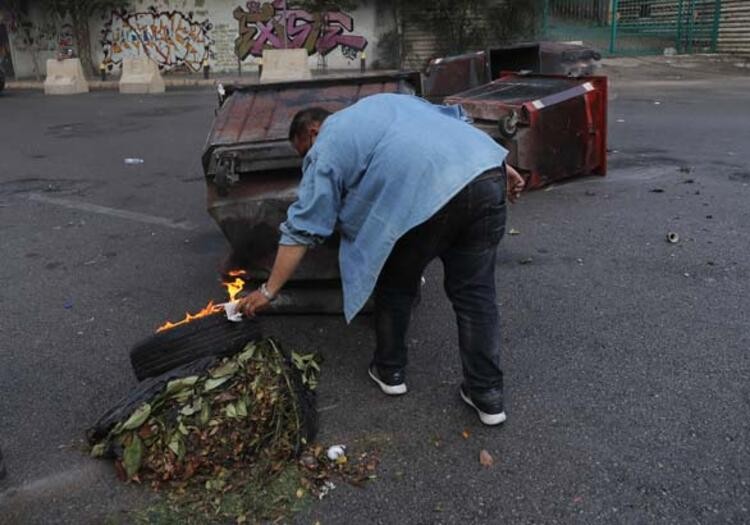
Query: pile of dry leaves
{"points": [[221, 436]]}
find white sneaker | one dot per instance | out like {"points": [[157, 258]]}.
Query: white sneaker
{"points": [[392, 386], [489, 419]]}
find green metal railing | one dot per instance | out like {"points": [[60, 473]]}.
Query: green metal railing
{"points": [[626, 27]]}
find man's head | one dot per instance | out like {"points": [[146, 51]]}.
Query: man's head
{"points": [[305, 127]]}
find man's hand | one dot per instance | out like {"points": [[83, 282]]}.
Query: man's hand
{"points": [[287, 260], [252, 303], [514, 183]]}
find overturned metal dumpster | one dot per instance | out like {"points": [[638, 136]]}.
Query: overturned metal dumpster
{"points": [[447, 76], [252, 173], [554, 126]]}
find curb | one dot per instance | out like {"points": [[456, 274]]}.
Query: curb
{"points": [[114, 85]]}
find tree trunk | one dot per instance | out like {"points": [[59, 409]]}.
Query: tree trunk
{"points": [[83, 40]]}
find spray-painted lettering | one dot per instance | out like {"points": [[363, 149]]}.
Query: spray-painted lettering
{"points": [[171, 38], [274, 25]]}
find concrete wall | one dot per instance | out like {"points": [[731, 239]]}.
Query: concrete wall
{"points": [[180, 34]]}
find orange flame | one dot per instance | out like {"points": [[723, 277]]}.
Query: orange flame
{"points": [[233, 288]]}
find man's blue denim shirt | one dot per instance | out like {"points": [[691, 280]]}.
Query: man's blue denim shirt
{"points": [[378, 169]]}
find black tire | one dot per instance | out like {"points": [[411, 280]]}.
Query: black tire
{"points": [[210, 336], [144, 392]]}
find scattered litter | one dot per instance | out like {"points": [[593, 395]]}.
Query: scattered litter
{"points": [[485, 458], [620, 120], [466, 434], [527, 260], [686, 274], [423, 280], [513, 231], [656, 103], [131, 161], [688, 181], [327, 487], [673, 238], [334, 452], [589, 193], [709, 216], [657, 190], [685, 169], [68, 304], [711, 263], [579, 260]]}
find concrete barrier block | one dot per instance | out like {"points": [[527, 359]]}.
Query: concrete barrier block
{"points": [[141, 76], [282, 65], [65, 77]]}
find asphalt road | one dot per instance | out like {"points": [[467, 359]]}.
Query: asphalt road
{"points": [[626, 357]]}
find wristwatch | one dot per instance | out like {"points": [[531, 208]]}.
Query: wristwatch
{"points": [[265, 293]]}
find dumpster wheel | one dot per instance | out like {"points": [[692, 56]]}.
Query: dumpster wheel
{"points": [[508, 125]]}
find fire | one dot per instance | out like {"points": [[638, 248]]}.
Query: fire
{"points": [[233, 288]]}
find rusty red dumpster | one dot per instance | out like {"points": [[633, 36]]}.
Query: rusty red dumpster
{"points": [[252, 174], [446, 76], [554, 126]]}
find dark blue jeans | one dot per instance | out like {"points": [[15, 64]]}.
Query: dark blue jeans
{"points": [[464, 234]]}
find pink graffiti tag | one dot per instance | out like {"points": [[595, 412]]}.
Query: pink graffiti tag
{"points": [[273, 25], [333, 34]]}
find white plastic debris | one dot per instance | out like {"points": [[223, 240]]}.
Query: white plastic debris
{"points": [[231, 309], [327, 487], [673, 238], [336, 451], [131, 161]]}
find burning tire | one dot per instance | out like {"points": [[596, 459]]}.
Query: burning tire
{"points": [[205, 337]]}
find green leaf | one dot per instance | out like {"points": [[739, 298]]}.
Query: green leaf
{"points": [[138, 417], [191, 409], [132, 456], [182, 429], [215, 382], [227, 369], [98, 450], [215, 484], [205, 414], [177, 385], [176, 445], [247, 353], [182, 396], [241, 407], [230, 411]]}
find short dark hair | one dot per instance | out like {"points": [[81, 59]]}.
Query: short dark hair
{"points": [[302, 120]]}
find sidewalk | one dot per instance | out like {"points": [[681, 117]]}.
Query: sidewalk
{"points": [[171, 82], [183, 81]]}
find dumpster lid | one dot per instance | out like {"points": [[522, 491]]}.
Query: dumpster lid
{"points": [[518, 89], [255, 119]]}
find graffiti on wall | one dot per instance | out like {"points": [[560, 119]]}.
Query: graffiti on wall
{"points": [[274, 25], [6, 64], [172, 39]]}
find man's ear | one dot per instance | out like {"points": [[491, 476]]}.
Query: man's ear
{"points": [[313, 129]]}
